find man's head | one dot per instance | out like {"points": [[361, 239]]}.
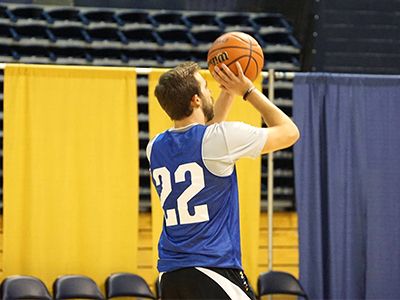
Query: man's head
{"points": [[178, 87]]}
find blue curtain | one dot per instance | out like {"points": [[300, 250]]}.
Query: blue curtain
{"points": [[347, 181]]}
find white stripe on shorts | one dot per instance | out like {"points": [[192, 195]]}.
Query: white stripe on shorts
{"points": [[233, 291]]}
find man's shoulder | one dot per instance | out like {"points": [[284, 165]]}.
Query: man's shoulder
{"points": [[226, 127], [150, 146]]}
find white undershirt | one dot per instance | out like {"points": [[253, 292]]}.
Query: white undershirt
{"points": [[224, 143]]}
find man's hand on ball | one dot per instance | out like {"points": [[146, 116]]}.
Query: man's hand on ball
{"points": [[229, 82]]}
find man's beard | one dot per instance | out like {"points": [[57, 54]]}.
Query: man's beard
{"points": [[208, 110]]}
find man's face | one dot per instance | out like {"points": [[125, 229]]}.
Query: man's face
{"points": [[207, 100]]}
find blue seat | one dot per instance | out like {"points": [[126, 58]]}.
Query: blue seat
{"points": [[70, 32], [167, 17], [134, 16], [7, 31], [127, 285], [275, 282], [237, 19], [24, 287], [279, 38], [5, 13], [109, 53], [176, 34], [31, 12], [66, 14], [35, 53], [206, 34], [144, 57], [102, 15], [173, 57], [203, 18], [72, 52], [107, 33], [9, 51], [76, 286], [142, 33], [271, 19], [37, 31]]}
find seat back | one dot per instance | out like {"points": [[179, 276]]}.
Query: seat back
{"points": [[76, 286], [127, 285], [275, 282], [23, 287]]}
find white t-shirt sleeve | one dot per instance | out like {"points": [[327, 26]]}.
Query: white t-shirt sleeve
{"points": [[226, 142]]}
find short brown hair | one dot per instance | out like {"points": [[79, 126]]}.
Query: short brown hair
{"points": [[176, 88]]}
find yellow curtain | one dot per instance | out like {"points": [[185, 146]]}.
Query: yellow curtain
{"points": [[71, 171], [249, 174]]}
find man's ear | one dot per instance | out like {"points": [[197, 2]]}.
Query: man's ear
{"points": [[196, 100]]}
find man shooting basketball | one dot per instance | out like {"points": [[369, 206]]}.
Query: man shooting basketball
{"points": [[193, 168]]}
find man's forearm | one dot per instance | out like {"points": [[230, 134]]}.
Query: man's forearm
{"points": [[222, 107]]}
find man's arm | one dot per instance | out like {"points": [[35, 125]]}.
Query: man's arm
{"points": [[282, 132], [222, 107]]}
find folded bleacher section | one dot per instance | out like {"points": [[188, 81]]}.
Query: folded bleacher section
{"points": [[149, 38]]}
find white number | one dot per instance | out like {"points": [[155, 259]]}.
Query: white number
{"points": [[166, 189], [197, 184]]}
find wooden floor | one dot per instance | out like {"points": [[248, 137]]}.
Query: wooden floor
{"points": [[285, 239]]}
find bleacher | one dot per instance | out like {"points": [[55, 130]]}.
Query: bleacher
{"points": [[150, 38]]}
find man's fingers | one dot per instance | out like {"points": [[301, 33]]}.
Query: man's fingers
{"points": [[240, 71]]}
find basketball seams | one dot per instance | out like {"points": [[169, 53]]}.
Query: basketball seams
{"points": [[235, 47], [240, 38], [248, 62]]}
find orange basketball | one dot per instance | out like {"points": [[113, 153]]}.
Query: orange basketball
{"points": [[237, 46]]}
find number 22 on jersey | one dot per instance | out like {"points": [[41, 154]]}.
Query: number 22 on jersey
{"points": [[196, 185]]}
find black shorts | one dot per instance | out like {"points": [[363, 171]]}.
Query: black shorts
{"points": [[205, 283]]}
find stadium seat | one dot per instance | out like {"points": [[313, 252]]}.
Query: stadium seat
{"points": [[7, 31], [71, 55], [5, 13], [275, 282], [69, 14], [8, 52], [35, 53], [204, 19], [175, 56], [32, 13], [142, 33], [115, 55], [176, 34], [134, 16], [206, 34], [36, 31], [167, 17], [107, 33], [76, 286], [24, 287], [144, 57], [271, 19], [282, 61], [237, 19], [70, 32], [279, 38], [102, 15], [127, 285]]}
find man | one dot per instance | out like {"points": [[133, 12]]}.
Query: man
{"points": [[193, 168]]}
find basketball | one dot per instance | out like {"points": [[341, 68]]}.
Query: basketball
{"points": [[239, 47]]}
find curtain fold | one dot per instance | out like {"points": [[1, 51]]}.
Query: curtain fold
{"points": [[249, 174], [347, 185], [71, 171]]}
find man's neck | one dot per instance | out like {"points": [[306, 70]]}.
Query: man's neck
{"points": [[197, 117]]}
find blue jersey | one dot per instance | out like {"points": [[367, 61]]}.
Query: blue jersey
{"points": [[201, 223]]}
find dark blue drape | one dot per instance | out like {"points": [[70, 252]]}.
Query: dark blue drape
{"points": [[347, 180]]}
